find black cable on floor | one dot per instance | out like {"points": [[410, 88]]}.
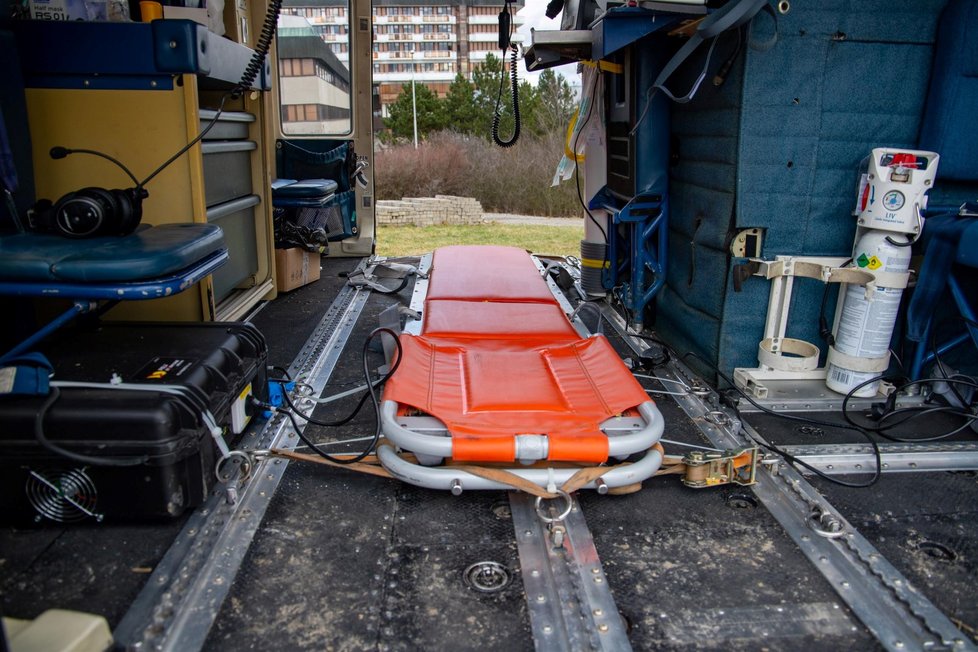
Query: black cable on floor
{"points": [[878, 471], [915, 412], [371, 394]]}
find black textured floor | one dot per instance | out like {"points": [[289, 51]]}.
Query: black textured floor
{"points": [[351, 562]]}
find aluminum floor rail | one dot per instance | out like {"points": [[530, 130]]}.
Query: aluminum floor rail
{"points": [[894, 611], [840, 459], [182, 598], [567, 594]]}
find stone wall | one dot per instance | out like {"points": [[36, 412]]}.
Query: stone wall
{"points": [[425, 211]]}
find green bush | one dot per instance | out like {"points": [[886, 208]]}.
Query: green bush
{"points": [[513, 180]]}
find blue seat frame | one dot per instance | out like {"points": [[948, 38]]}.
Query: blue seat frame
{"points": [[173, 258]]}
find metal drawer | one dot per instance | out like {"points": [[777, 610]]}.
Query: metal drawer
{"points": [[227, 170]]}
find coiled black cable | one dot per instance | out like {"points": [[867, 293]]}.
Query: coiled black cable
{"points": [[515, 96], [371, 394], [262, 46], [913, 412]]}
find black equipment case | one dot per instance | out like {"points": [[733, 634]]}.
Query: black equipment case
{"points": [[170, 451]]}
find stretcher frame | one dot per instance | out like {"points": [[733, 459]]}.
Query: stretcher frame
{"points": [[430, 442]]}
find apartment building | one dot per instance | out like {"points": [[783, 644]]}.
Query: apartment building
{"points": [[427, 42], [315, 84]]}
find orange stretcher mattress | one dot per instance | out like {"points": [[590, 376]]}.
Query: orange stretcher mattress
{"points": [[497, 358]]}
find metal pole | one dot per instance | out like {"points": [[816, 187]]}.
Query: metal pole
{"points": [[414, 109]]}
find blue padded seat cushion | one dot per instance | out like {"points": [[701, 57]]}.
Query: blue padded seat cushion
{"points": [[149, 253], [308, 193]]}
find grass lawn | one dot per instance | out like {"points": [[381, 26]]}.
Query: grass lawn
{"points": [[413, 240]]}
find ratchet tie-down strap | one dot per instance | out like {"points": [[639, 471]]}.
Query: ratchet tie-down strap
{"points": [[697, 470]]}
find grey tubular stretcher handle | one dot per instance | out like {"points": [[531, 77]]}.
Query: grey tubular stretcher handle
{"points": [[528, 447], [454, 479]]}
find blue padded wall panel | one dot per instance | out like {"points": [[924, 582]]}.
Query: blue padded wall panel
{"points": [[693, 272], [686, 328], [706, 213], [869, 95], [953, 93], [702, 183], [910, 21], [842, 78], [742, 325]]}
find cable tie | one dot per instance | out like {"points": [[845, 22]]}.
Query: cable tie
{"points": [[551, 481]]}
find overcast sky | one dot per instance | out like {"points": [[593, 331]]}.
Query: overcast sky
{"points": [[533, 14]]}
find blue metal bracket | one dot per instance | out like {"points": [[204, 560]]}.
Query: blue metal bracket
{"points": [[641, 244], [921, 353], [86, 295], [128, 56], [620, 26]]}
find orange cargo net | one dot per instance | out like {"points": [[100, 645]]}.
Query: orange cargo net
{"points": [[498, 358]]}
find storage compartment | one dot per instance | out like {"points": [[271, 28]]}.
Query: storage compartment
{"points": [[227, 170], [237, 219], [158, 431]]}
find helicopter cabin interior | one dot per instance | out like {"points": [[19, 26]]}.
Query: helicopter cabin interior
{"points": [[226, 424]]}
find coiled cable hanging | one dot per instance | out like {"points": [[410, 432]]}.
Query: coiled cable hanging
{"points": [[515, 95], [506, 43], [262, 46]]}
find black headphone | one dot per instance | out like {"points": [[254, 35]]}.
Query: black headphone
{"points": [[90, 212]]}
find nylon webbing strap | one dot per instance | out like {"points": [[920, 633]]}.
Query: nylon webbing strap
{"points": [[371, 276], [730, 16], [359, 467], [581, 478]]}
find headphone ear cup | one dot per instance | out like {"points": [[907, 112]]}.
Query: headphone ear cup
{"points": [[130, 213], [85, 213], [40, 217]]}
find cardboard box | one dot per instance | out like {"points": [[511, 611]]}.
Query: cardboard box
{"points": [[295, 268]]}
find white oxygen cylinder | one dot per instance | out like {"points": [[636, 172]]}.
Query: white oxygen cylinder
{"points": [[890, 202], [865, 327]]}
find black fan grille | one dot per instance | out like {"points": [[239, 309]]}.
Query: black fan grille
{"points": [[64, 496]]}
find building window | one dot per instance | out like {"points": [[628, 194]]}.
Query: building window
{"points": [[313, 113]]}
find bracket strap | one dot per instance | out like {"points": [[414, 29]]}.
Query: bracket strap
{"points": [[875, 365]]}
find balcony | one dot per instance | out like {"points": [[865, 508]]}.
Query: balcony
{"points": [[493, 20], [414, 20], [408, 76], [415, 56]]}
